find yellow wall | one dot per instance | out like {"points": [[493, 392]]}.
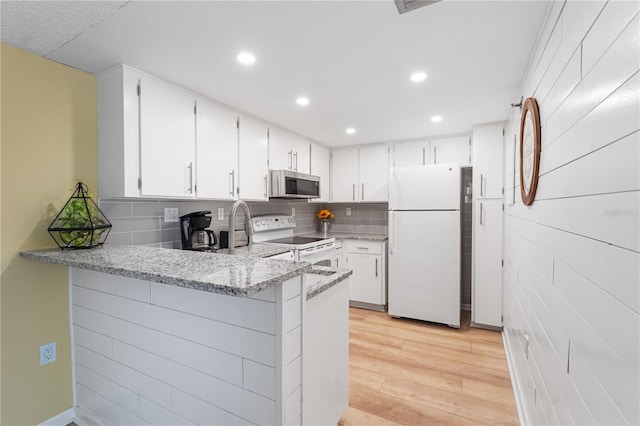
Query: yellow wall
{"points": [[49, 141]]}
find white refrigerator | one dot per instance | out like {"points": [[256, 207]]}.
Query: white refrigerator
{"points": [[424, 243]]}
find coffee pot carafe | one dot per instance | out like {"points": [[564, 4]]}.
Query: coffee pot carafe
{"points": [[193, 232]]}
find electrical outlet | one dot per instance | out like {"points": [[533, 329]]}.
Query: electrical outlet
{"points": [[348, 211], [48, 353], [220, 213], [293, 211], [170, 215]]}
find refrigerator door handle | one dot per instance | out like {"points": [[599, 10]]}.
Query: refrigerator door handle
{"points": [[480, 213]]}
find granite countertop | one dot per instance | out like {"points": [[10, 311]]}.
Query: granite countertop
{"points": [[349, 236], [322, 278], [238, 275]]}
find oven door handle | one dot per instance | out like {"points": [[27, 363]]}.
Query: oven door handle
{"points": [[316, 250]]}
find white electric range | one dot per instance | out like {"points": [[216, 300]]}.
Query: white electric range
{"points": [[278, 230]]}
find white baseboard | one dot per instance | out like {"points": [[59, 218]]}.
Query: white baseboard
{"points": [[523, 418], [86, 418], [61, 419]]}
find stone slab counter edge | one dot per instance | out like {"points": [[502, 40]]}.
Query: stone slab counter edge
{"points": [[216, 273]]}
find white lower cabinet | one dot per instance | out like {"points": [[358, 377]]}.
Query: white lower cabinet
{"points": [[486, 297], [325, 351], [368, 284]]}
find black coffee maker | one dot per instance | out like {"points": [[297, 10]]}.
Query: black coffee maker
{"points": [[193, 232]]}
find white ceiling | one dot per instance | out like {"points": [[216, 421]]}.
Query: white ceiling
{"points": [[352, 59]]}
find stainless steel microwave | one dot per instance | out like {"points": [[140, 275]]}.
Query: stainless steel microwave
{"points": [[290, 184]]}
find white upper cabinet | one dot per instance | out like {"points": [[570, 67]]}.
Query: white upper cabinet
{"points": [[488, 145], [344, 176], [216, 151], [374, 173], [288, 151], [451, 150], [118, 132], [320, 166], [167, 140], [253, 160], [360, 174], [411, 154]]}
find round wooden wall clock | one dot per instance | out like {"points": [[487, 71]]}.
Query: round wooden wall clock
{"points": [[529, 150]]}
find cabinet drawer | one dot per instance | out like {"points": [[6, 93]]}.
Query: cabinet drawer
{"points": [[358, 246]]}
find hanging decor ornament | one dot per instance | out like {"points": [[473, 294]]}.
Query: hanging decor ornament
{"points": [[529, 150], [80, 224]]}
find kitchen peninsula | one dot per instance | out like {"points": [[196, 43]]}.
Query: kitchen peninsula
{"points": [[179, 337]]}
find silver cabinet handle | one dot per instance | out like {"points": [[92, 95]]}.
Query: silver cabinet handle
{"points": [[424, 156], [480, 213], [266, 190], [295, 155], [354, 192], [290, 160], [190, 189], [435, 155], [232, 180], [376, 268], [362, 195], [481, 178], [362, 248]]}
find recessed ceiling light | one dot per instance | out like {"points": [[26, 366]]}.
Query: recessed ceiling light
{"points": [[436, 119], [417, 77], [246, 58], [302, 101], [350, 131]]}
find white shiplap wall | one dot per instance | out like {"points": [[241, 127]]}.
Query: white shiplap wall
{"points": [[149, 353], [572, 259]]}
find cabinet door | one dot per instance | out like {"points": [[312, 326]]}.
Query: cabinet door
{"points": [[301, 155], [365, 285], [344, 175], [487, 162], [280, 149], [374, 173], [411, 154], [486, 305], [167, 140], [217, 152], [253, 154], [320, 166], [451, 150]]}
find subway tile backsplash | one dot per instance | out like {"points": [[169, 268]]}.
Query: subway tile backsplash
{"points": [[141, 221]]}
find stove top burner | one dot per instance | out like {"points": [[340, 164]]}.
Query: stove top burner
{"points": [[295, 240]]}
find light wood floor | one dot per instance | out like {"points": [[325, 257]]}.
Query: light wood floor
{"points": [[416, 373]]}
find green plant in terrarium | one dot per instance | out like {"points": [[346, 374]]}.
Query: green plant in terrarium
{"points": [[80, 223]]}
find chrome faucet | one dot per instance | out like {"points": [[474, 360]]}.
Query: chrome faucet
{"points": [[232, 223]]}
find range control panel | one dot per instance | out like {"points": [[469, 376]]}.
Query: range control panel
{"points": [[273, 221]]}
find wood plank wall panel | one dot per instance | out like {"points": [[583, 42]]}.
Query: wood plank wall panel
{"points": [[572, 259], [141, 355]]}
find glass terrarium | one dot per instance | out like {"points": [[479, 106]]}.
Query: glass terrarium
{"points": [[80, 224]]}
